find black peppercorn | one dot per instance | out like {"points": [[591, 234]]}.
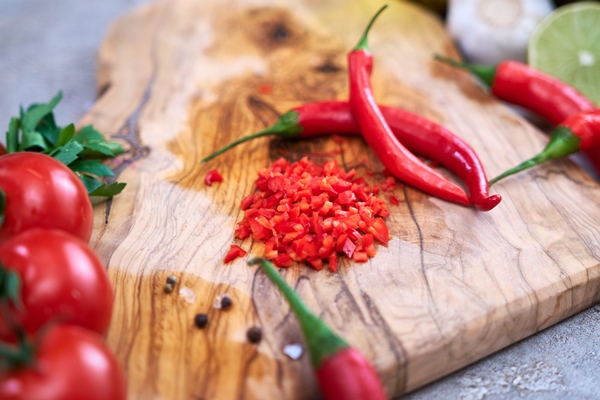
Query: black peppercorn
{"points": [[226, 303], [168, 288], [172, 279], [254, 334], [200, 320]]}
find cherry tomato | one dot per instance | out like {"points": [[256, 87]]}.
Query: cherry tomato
{"points": [[41, 192], [63, 281], [71, 363]]}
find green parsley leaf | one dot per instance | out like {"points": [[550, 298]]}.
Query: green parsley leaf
{"points": [[110, 190], [67, 153], [65, 135], [12, 136], [36, 112], [32, 141], [91, 167]]}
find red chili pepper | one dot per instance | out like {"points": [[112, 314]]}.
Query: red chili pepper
{"points": [[578, 132], [212, 176], [378, 135], [417, 133], [519, 84], [342, 372]]}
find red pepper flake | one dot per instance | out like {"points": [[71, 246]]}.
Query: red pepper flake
{"points": [[212, 176], [234, 252], [394, 200], [312, 213]]}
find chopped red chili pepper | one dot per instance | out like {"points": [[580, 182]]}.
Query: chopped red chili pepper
{"points": [[234, 252], [318, 210], [394, 200], [342, 372], [212, 176]]}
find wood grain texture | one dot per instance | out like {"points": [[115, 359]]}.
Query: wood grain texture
{"points": [[179, 79]]}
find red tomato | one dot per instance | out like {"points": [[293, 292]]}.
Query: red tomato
{"points": [[62, 281], [2, 149], [71, 363], [41, 192]]}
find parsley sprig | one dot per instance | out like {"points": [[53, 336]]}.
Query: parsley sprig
{"points": [[81, 150]]}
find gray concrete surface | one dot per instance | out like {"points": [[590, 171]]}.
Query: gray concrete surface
{"points": [[46, 46]]}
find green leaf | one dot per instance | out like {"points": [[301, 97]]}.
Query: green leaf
{"points": [[110, 190], [12, 136], [93, 148], [90, 183], [95, 145], [93, 167], [88, 133], [48, 128], [65, 135], [68, 153], [36, 112], [2, 206], [32, 140]]}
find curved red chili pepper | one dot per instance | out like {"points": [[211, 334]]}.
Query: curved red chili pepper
{"points": [[342, 372], [417, 133], [378, 135], [519, 84], [578, 132]]}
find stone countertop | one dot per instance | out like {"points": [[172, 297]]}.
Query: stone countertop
{"points": [[47, 46]]}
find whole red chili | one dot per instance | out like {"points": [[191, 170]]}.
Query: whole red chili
{"points": [[378, 135], [519, 84], [342, 372], [578, 132], [417, 133]]}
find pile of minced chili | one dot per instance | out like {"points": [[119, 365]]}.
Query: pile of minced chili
{"points": [[312, 213]]}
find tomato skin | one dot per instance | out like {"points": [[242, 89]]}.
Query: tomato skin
{"points": [[71, 363], [41, 192], [63, 281]]}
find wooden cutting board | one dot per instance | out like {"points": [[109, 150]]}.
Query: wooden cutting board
{"points": [[179, 79]]}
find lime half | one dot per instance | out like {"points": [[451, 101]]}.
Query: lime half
{"points": [[566, 45]]}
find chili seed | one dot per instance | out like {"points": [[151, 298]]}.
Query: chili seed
{"points": [[200, 320], [168, 288], [254, 334], [226, 303], [172, 279]]}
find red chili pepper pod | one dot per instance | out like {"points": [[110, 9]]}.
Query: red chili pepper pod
{"points": [[352, 365], [417, 133], [378, 135], [342, 371], [580, 131], [519, 84]]}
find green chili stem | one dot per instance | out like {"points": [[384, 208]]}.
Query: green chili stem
{"points": [[287, 126], [485, 73], [321, 341], [562, 143], [362, 43]]}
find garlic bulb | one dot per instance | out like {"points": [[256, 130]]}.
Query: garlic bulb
{"points": [[489, 31]]}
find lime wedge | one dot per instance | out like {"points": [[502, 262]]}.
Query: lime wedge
{"points": [[566, 45]]}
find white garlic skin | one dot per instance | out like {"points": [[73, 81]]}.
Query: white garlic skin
{"points": [[490, 31]]}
